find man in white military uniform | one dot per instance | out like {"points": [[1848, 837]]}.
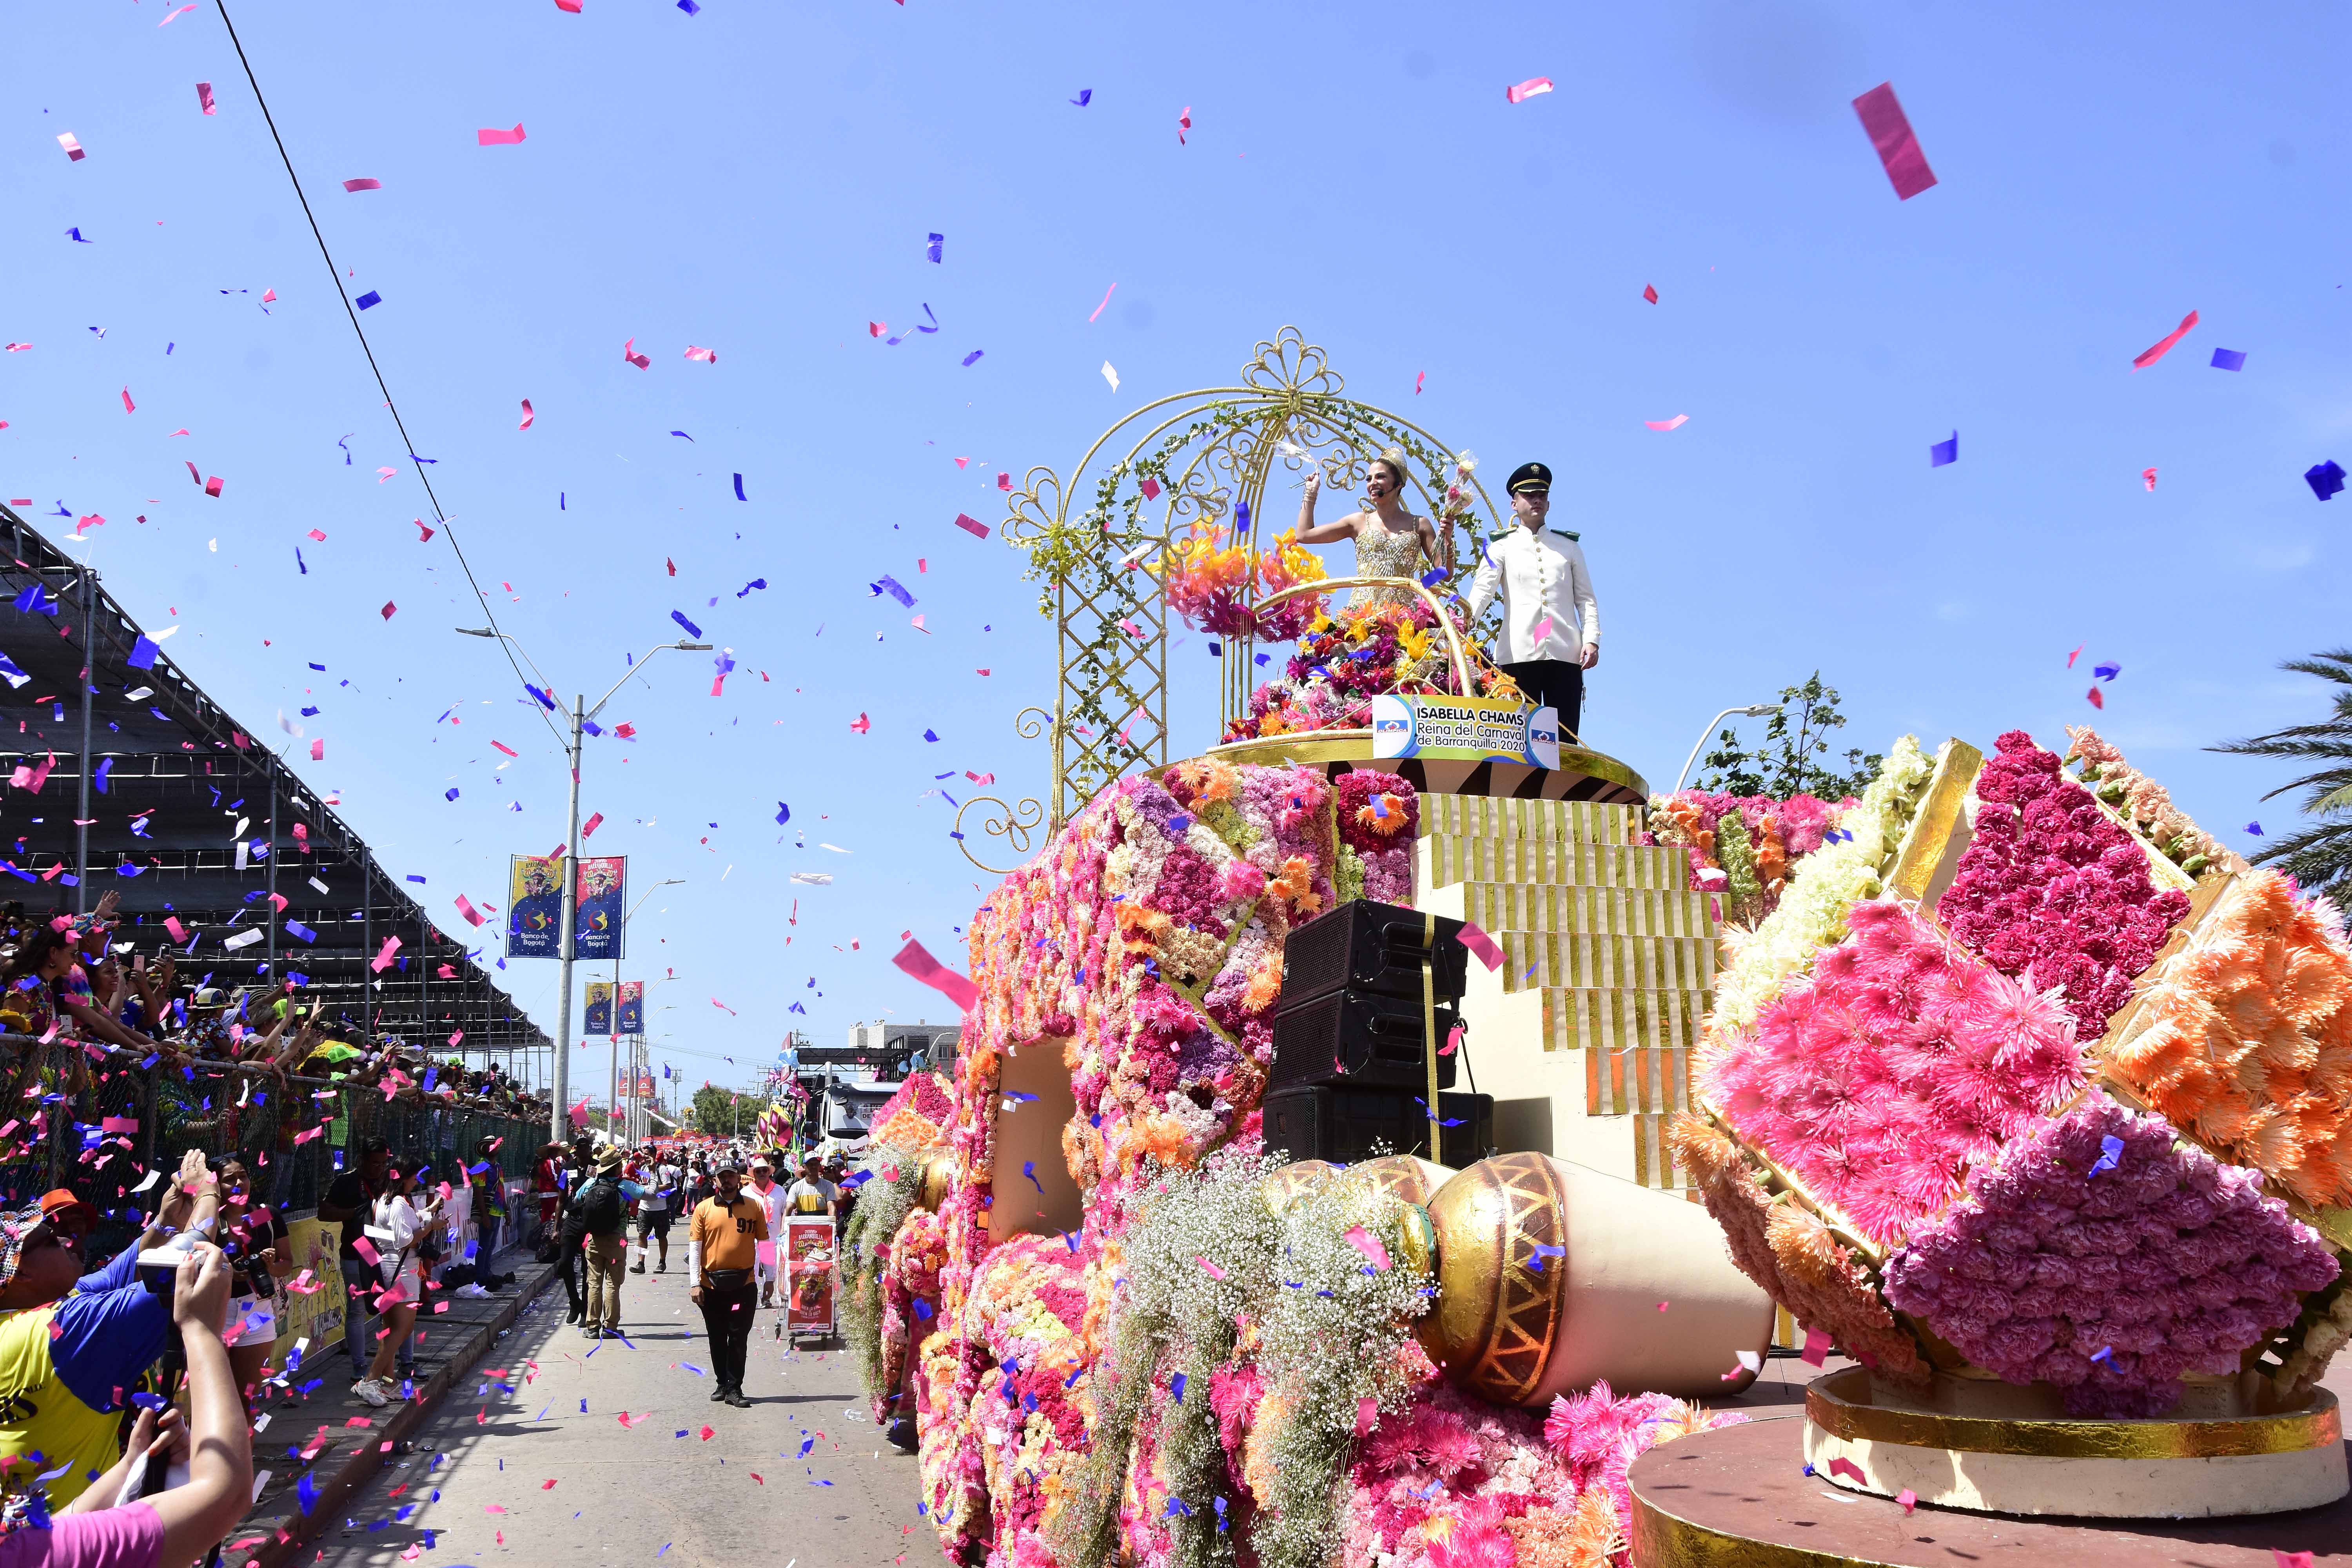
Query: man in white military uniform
{"points": [[1551, 626]]}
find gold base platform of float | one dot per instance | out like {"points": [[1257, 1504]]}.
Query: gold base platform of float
{"points": [[1582, 775], [1992, 1455], [1739, 1497]]}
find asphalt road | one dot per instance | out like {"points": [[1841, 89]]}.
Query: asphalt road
{"points": [[639, 1493]]}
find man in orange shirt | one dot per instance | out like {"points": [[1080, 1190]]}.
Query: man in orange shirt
{"points": [[727, 1229]]}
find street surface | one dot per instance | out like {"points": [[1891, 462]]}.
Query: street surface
{"points": [[744, 1494]]}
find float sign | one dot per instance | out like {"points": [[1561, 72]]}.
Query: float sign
{"points": [[1465, 729]]}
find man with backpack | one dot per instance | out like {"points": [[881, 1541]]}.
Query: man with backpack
{"points": [[596, 1217]]}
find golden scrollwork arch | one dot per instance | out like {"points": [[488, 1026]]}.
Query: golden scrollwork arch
{"points": [[1100, 565]]}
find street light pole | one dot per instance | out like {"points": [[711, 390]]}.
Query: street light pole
{"points": [[1753, 711], [561, 1118]]}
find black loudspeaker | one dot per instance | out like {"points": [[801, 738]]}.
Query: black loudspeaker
{"points": [[1375, 948], [1359, 1039], [1348, 1125]]}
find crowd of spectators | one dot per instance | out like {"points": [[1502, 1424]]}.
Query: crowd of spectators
{"points": [[63, 977]]}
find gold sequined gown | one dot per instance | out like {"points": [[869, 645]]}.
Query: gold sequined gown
{"points": [[1385, 552]]}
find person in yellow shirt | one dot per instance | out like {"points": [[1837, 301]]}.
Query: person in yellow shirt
{"points": [[726, 1232]]}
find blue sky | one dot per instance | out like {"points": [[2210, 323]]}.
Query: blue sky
{"points": [[760, 179]]}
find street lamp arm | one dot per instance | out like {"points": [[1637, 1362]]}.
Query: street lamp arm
{"points": [[637, 667], [1752, 711]]}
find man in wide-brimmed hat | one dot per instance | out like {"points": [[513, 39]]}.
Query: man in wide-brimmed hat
{"points": [[597, 1217]]}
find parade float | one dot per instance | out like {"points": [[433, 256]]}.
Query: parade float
{"points": [[2013, 1087]]}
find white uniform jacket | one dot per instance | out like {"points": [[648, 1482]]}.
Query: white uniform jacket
{"points": [[1543, 579]]}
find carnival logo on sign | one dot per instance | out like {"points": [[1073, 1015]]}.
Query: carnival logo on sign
{"points": [[1472, 729]]}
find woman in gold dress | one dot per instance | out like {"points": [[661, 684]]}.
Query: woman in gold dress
{"points": [[1390, 541]]}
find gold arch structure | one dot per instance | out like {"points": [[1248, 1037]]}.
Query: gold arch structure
{"points": [[1101, 570]]}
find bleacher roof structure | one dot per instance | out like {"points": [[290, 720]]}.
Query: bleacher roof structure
{"points": [[175, 786]]}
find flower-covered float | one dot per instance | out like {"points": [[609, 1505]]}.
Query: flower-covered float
{"points": [[1126, 1333], [2043, 1116]]}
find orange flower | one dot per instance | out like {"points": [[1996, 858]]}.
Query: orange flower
{"points": [[1297, 885]]}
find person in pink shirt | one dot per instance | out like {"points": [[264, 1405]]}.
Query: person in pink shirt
{"points": [[765, 1192]]}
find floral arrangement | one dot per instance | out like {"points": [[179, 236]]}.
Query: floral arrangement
{"points": [[2244, 1038], [913, 1120], [891, 1183], [2146, 805], [1900, 1140], [1343, 663], [1209, 573], [910, 1299], [1263, 1398], [1144, 944], [2052, 891], [1378, 825], [1752, 841], [2099, 1255], [1810, 914], [1794, 1255], [1900, 1063]]}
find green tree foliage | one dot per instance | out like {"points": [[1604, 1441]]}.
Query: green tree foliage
{"points": [[716, 1109], [1794, 757], [2320, 855]]}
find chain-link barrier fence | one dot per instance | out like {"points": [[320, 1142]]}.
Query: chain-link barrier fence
{"points": [[95, 1125]]}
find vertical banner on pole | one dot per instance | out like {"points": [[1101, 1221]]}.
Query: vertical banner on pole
{"points": [[633, 1008], [534, 906], [596, 923], [600, 1007]]}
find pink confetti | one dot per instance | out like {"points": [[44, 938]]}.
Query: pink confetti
{"points": [[318, 751], [1542, 629], [175, 16], [465, 908], [127, 406], [1522, 91], [204, 96], [1910, 1500], [119, 1124], [2290, 1559], [2157, 350], [382, 961], [1184, 123], [629, 352], [527, 416], [708, 356], [363, 184], [1481, 944], [861, 725], [917, 963], [388, 610], [973, 526], [1106, 299], [318, 535], [1891, 136], [588, 829], [366, 1249], [1817, 1347], [2147, 477], [73, 149], [1365, 1242], [571, 6], [179, 933], [1676, 423], [1842, 1465], [423, 534], [1211, 1269], [497, 138]]}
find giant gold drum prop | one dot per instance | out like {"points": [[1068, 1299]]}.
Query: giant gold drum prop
{"points": [[1551, 1276]]}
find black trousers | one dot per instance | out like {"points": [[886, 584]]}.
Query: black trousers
{"points": [[727, 1315], [568, 1263], [1554, 683]]}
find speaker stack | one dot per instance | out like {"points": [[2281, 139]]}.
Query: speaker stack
{"points": [[1362, 988]]}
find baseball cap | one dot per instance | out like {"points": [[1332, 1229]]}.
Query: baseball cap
{"points": [[58, 1201]]}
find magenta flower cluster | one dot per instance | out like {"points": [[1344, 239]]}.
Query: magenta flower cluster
{"points": [[1900, 1063], [2098, 1254], [2052, 891]]}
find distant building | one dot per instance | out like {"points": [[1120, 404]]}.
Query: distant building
{"points": [[895, 1049]]}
